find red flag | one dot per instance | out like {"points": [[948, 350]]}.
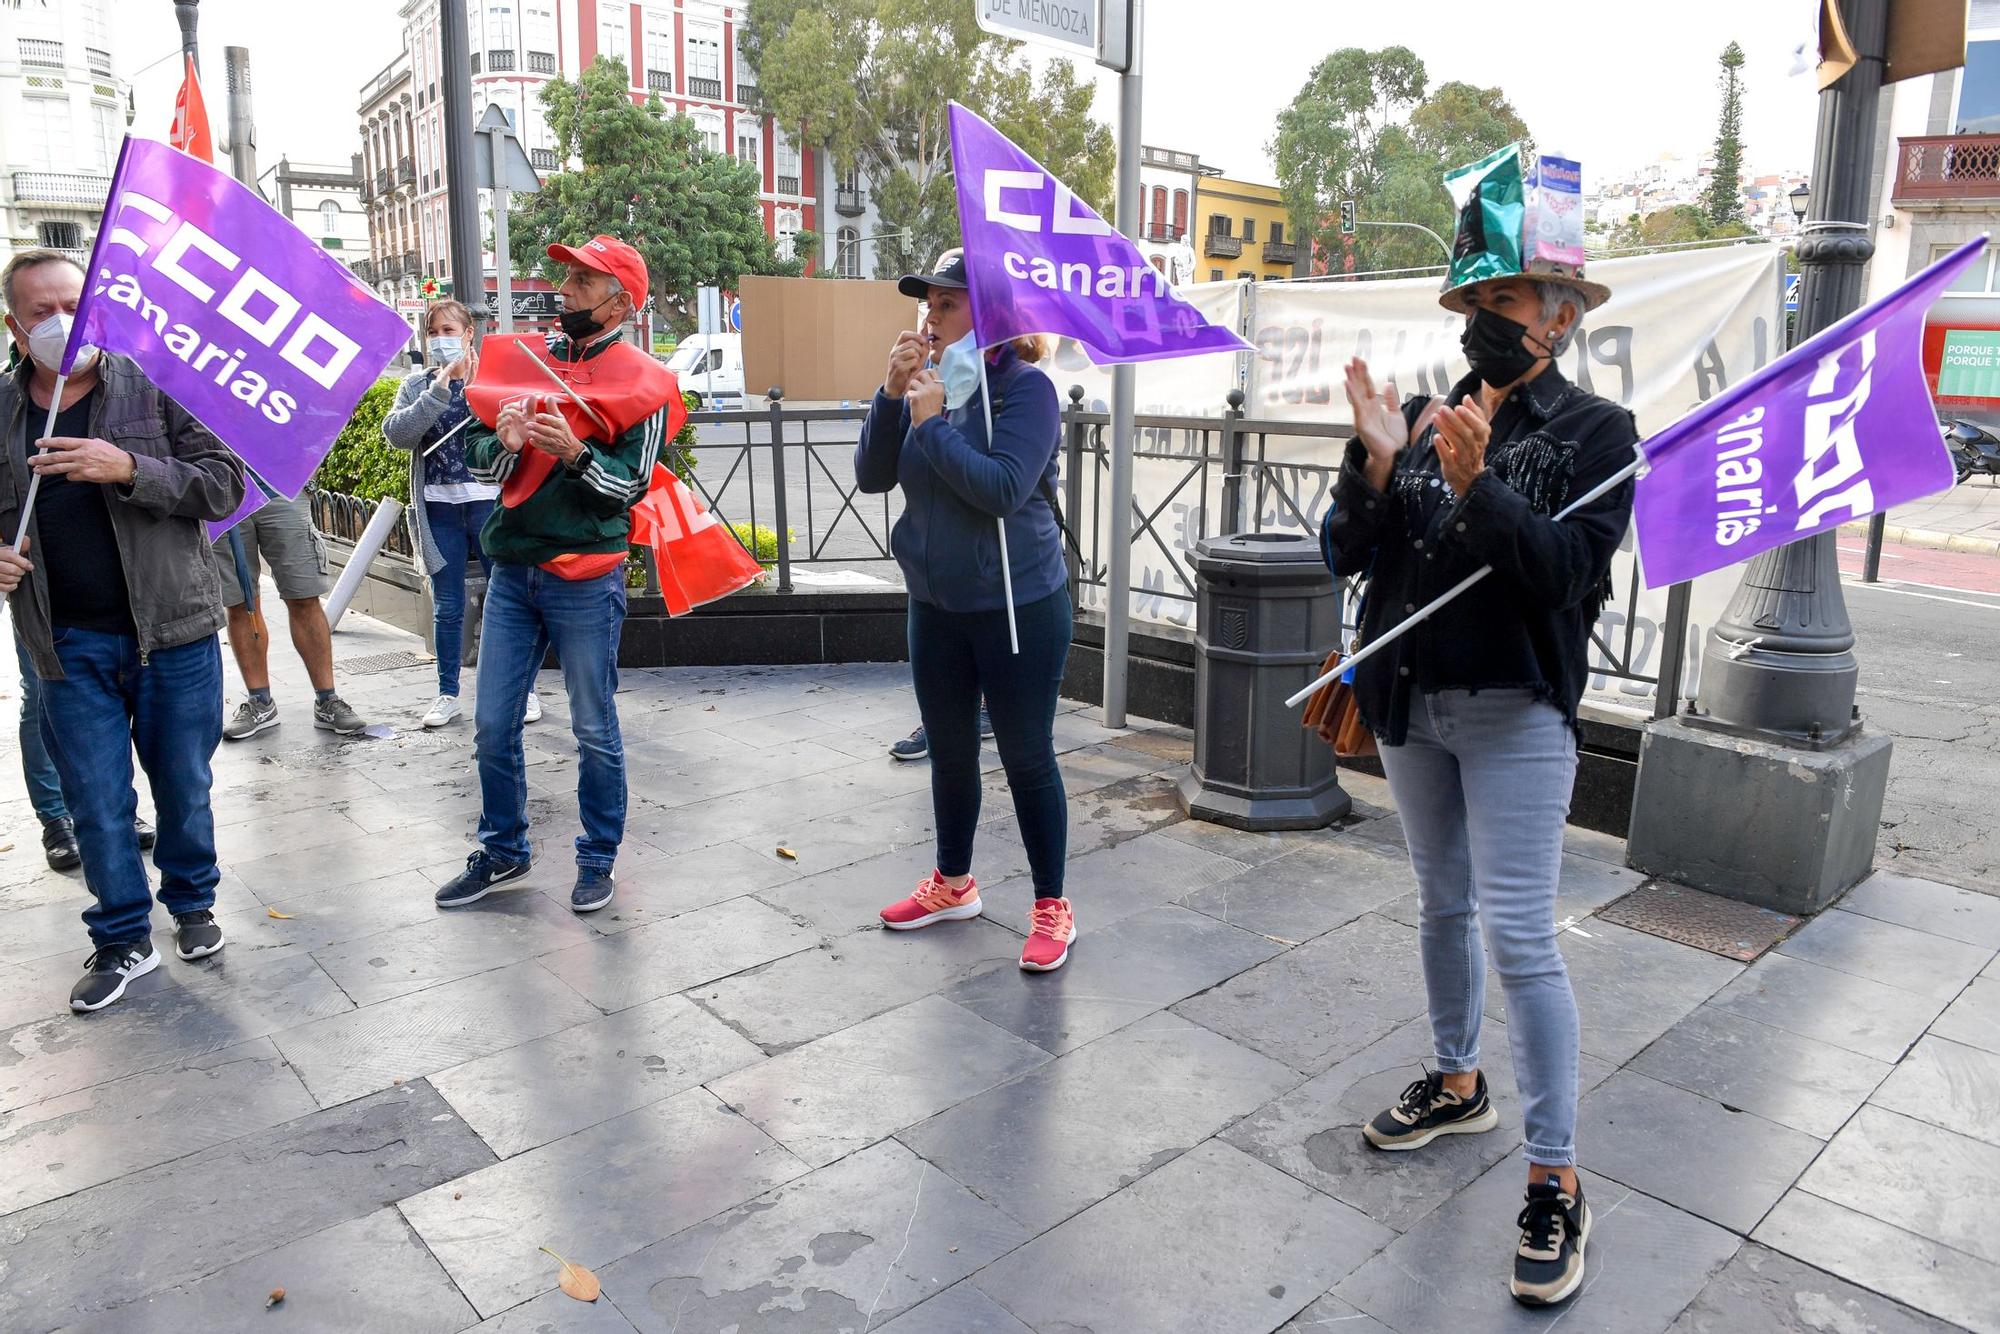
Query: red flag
{"points": [[190, 133], [699, 560]]}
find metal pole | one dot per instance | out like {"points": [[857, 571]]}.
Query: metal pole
{"points": [[1871, 560], [1782, 657], [1124, 391], [461, 186], [503, 264], [185, 13], [1415, 227], [242, 125], [780, 506]]}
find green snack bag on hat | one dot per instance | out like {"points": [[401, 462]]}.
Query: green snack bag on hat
{"points": [[1491, 208]]}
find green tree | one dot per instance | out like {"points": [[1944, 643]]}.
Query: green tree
{"points": [[1723, 201], [1680, 224], [868, 81], [1364, 127], [648, 178]]}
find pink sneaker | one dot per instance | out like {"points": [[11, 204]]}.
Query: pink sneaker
{"points": [[1047, 947], [934, 901]]}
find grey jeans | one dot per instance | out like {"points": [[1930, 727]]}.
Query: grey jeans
{"points": [[1482, 782]]}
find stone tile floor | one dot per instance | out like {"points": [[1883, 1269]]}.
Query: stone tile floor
{"points": [[747, 1108]]}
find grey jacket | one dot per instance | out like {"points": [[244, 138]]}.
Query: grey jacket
{"points": [[420, 401], [185, 475]]}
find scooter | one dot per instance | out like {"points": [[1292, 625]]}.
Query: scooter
{"points": [[1973, 450]]}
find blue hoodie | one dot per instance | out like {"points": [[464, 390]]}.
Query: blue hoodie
{"points": [[955, 482]]}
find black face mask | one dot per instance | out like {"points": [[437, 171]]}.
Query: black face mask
{"points": [[1492, 343], [578, 325]]}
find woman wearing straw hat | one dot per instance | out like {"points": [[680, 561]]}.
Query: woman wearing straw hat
{"points": [[972, 439], [1475, 709]]}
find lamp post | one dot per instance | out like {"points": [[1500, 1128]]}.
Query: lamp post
{"points": [[1768, 790], [1801, 197], [840, 247]]}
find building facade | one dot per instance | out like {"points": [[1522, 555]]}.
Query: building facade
{"points": [[1938, 187], [1246, 232], [1169, 182], [63, 112], [686, 52], [325, 202]]}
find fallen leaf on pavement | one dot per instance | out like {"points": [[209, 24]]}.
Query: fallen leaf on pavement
{"points": [[277, 1295], [788, 854], [281, 916], [6, 847], [577, 1281]]}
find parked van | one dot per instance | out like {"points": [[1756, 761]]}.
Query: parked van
{"points": [[710, 366]]}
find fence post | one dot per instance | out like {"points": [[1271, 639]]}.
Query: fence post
{"points": [[1072, 474], [1232, 465], [784, 533], [1673, 652]]}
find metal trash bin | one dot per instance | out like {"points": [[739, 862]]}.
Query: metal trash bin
{"points": [[1268, 611]]}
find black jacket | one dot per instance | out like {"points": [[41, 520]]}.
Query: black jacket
{"points": [[183, 476], [1528, 623]]}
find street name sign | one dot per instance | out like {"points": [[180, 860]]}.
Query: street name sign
{"points": [[1070, 25]]}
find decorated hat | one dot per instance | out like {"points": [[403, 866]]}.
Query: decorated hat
{"points": [[1511, 227]]}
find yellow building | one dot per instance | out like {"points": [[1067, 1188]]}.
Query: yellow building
{"points": [[1243, 231]]}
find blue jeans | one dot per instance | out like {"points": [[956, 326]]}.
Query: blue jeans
{"points": [[168, 708], [954, 656], [39, 771], [455, 529], [1483, 785], [527, 610]]}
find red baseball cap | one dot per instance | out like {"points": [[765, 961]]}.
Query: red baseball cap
{"points": [[608, 254]]}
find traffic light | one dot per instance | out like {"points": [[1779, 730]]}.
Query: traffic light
{"points": [[1347, 217]]}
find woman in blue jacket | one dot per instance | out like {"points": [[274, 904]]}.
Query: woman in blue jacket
{"points": [[927, 433]]}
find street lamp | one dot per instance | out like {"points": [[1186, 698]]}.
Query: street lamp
{"points": [[1801, 197], [840, 246]]}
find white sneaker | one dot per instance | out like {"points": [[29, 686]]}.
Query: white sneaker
{"points": [[533, 713], [444, 711]]}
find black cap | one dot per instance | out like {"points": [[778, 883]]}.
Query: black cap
{"points": [[950, 268]]}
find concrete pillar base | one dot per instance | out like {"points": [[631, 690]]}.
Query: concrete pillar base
{"points": [[1263, 811], [1744, 817]]}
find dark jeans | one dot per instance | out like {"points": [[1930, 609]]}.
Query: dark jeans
{"points": [[954, 656], [169, 708], [527, 610], [455, 529], [39, 771]]}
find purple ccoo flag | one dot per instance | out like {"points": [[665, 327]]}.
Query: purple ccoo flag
{"points": [[232, 311], [1838, 428], [1040, 261]]}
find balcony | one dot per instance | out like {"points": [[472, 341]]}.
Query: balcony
{"points": [[381, 181], [57, 187], [542, 159], [746, 93], [41, 54], [706, 88], [1283, 253], [364, 269], [1219, 246], [541, 62], [788, 185], [660, 80], [847, 203], [502, 59], [390, 269], [99, 61], [1162, 232], [1947, 169], [406, 171], [413, 264]]}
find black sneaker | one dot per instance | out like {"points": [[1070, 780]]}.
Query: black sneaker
{"points": [[147, 835], [109, 969], [481, 873], [1427, 1110], [594, 889], [915, 746], [985, 725], [59, 844], [1548, 1266], [196, 935]]}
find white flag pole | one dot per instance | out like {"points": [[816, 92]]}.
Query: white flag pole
{"points": [[1006, 567], [35, 482], [1616, 479]]}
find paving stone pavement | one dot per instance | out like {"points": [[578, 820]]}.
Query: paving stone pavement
{"points": [[747, 1108]]}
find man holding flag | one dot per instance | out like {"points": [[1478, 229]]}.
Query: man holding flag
{"points": [[113, 593], [570, 428]]}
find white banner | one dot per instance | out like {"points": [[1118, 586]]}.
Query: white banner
{"points": [[1679, 329]]}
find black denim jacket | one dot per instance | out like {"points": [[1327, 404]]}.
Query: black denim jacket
{"points": [[1528, 623]]}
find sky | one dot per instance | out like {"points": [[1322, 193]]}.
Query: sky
{"points": [[1212, 86]]}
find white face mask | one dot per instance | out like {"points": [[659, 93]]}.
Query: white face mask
{"points": [[445, 350], [960, 371], [47, 340]]}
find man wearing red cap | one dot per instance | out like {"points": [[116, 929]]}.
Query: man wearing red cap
{"points": [[571, 461]]}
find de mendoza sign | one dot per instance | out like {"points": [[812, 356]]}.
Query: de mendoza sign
{"points": [[1070, 24]]}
